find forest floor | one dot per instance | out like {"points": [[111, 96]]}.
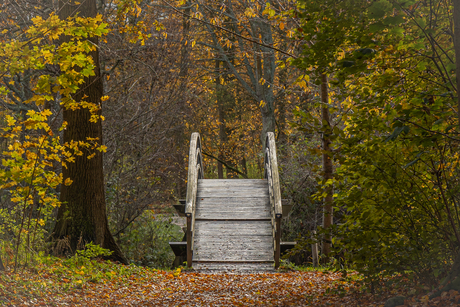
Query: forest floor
{"points": [[101, 283]]}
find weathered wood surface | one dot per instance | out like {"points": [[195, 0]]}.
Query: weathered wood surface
{"points": [[232, 182], [211, 267], [234, 228], [233, 225], [272, 175], [195, 172], [248, 201], [233, 255], [259, 192], [232, 242], [273, 172], [236, 214]]}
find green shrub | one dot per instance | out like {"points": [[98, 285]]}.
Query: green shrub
{"points": [[146, 241]]}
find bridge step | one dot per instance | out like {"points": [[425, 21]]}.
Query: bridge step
{"points": [[233, 266], [233, 228]]}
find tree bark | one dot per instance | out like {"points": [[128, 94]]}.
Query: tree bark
{"points": [[265, 68], [281, 101], [314, 251], [222, 134], [2, 268], [82, 216], [327, 169]]}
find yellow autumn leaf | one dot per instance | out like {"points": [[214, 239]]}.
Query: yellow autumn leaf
{"points": [[68, 181]]}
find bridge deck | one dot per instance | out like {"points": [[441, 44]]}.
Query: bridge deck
{"points": [[233, 229]]}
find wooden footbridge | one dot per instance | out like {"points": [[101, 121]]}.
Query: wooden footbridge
{"points": [[232, 224]]}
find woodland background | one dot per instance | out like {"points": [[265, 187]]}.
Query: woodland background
{"points": [[369, 85]]}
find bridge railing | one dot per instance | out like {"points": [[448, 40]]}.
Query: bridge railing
{"points": [[271, 174], [195, 172]]}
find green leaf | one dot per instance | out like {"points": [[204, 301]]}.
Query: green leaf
{"points": [[377, 27], [396, 132], [379, 8], [417, 157], [393, 20]]}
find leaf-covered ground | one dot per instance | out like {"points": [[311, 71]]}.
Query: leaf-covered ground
{"points": [[105, 284]]}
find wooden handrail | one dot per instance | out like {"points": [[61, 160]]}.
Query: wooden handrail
{"points": [[195, 172], [272, 175]]}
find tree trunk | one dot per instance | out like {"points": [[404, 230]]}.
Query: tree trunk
{"points": [[2, 268], [327, 168], [281, 101], [82, 216], [265, 69], [314, 251], [220, 110]]}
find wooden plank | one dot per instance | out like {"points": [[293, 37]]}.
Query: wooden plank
{"points": [[234, 243], [234, 208], [233, 202], [233, 266], [222, 226], [230, 188], [249, 240], [232, 182], [240, 251], [226, 248], [234, 215], [226, 194], [234, 255], [236, 200], [235, 232]]}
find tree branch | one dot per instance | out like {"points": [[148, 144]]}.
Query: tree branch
{"points": [[226, 165], [230, 31]]}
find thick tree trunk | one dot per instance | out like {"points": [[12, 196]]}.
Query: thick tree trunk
{"points": [[82, 216], [327, 169]]}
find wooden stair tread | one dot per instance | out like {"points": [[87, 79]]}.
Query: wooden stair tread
{"points": [[227, 215], [232, 182], [207, 202], [227, 228], [235, 255], [233, 266], [233, 193]]}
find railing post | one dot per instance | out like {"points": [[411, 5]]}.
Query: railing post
{"points": [[277, 242], [189, 241]]}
